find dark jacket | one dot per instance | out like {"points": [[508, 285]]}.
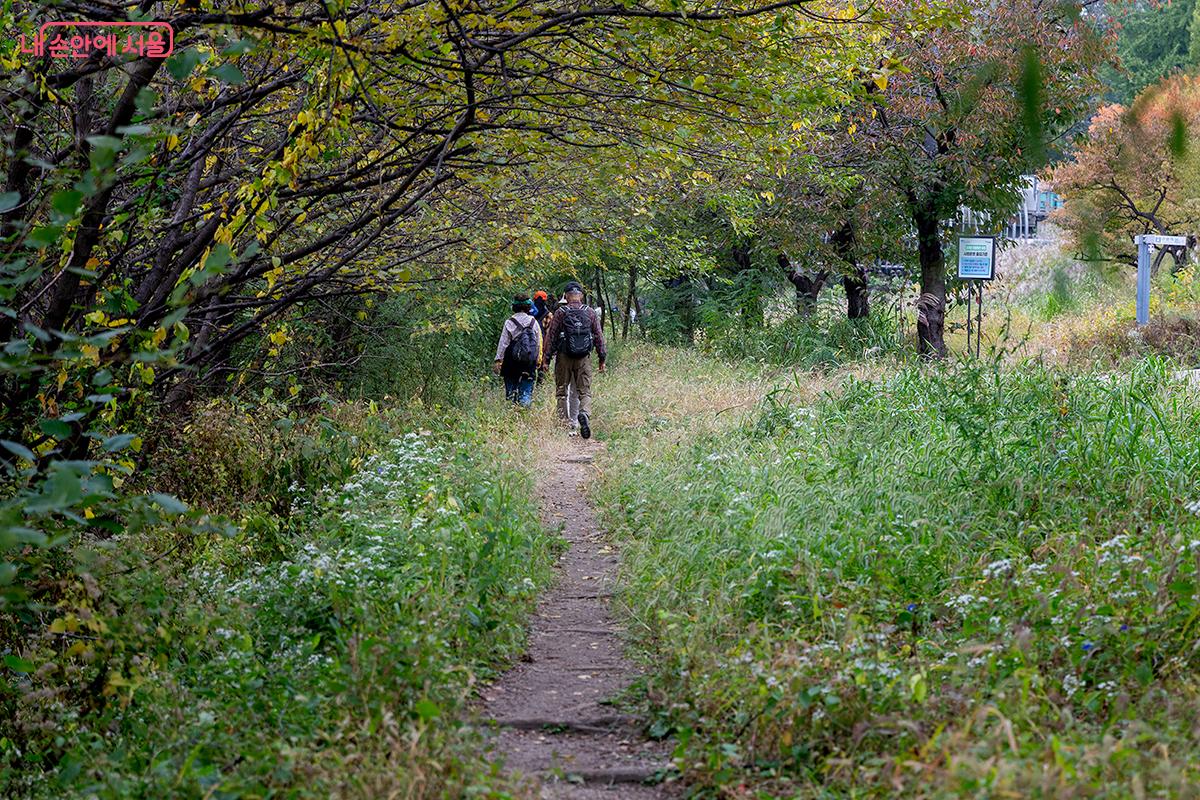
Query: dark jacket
{"points": [[554, 329]]}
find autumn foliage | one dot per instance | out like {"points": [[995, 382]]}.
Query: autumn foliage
{"points": [[1135, 173]]}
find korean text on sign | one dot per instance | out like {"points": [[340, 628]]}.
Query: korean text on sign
{"points": [[82, 39]]}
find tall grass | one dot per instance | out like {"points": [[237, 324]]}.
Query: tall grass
{"points": [[944, 582], [816, 342], [335, 662]]}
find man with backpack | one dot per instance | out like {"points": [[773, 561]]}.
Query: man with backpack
{"points": [[574, 331], [519, 353]]}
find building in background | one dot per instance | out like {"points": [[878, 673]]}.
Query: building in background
{"points": [[1037, 202]]}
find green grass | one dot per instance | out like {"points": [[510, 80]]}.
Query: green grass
{"points": [[337, 661], [943, 582]]}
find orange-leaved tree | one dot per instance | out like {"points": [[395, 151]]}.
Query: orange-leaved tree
{"points": [[1136, 173]]}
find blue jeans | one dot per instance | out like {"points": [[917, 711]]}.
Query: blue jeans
{"points": [[519, 389]]}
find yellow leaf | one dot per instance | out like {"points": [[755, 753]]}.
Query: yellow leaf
{"points": [[881, 81]]}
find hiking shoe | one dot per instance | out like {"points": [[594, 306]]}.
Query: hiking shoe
{"points": [[585, 429]]}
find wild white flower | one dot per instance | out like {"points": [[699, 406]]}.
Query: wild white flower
{"points": [[997, 568]]}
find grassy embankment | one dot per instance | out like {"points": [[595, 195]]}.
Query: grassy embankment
{"points": [[376, 566], [935, 581]]}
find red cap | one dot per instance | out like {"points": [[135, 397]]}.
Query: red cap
{"points": [[540, 295]]}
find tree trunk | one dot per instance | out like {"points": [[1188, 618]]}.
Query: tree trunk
{"points": [[808, 287], [88, 234], [931, 306], [630, 300], [854, 278], [857, 295]]}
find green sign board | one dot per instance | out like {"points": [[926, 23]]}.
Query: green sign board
{"points": [[977, 257]]}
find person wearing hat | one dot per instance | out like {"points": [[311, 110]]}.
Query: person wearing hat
{"points": [[519, 352], [573, 333], [541, 307], [542, 311]]}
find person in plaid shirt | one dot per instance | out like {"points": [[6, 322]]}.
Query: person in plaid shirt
{"points": [[573, 333]]}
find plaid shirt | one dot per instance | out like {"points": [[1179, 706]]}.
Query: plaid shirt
{"points": [[555, 328]]}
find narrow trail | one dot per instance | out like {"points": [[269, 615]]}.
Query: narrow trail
{"points": [[555, 721]]}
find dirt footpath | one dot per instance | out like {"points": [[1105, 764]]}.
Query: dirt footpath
{"points": [[555, 722]]}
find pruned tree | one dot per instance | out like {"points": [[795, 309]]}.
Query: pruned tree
{"points": [[970, 107]]}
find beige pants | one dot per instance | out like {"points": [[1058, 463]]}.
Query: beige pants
{"points": [[577, 373]]}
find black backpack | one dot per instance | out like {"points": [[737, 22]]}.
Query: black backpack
{"points": [[576, 335], [523, 349]]}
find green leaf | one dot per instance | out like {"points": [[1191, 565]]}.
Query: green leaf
{"points": [[219, 258], [110, 143], [63, 489], [182, 63], [1182, 587], [18, 664], [119, 442], [239, 47], [56, 428], [9, 201], [18, 450], [7, 573], [228, 73], [67, 202], [427, 710], [172, 505], [43, 236], [146, 100]]}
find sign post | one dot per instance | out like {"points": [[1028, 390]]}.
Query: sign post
{"points": [[976, 264], [1144, 244]]}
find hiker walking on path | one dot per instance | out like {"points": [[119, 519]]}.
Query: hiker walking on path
{"points": [[572, 334], [519, 352], [541, 308], [542, 312], [572, 397]]}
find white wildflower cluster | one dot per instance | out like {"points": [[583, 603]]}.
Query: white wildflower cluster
{"points": [[876, 667], [964, 603], [1071, 685], [296, 594], [1115, 552], [394, 473], [1193, 507], [997, 569]]}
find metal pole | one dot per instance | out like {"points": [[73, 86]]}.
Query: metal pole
{"points": [[979, 320], [1143, 281], [969, 314]]}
